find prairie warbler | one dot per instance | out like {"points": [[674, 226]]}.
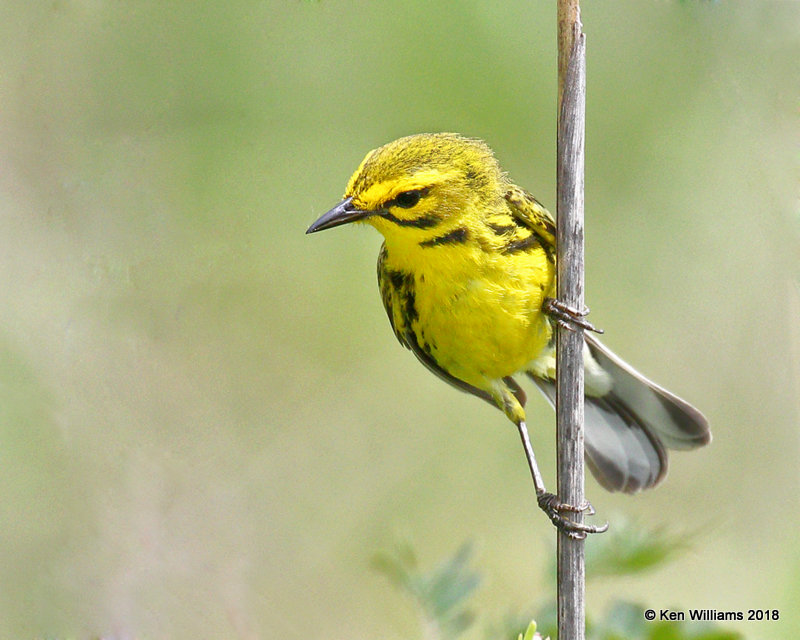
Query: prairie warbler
{"points": [[467, 276]]}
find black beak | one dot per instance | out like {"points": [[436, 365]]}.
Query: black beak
{"points": [[342, 213]]}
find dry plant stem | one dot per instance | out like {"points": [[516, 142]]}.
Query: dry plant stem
{"points": [[569, 23], [569, 354]]}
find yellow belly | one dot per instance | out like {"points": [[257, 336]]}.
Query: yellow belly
{"points": [[488, 325]]}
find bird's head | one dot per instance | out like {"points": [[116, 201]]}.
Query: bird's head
{"points": [[417, 186]]}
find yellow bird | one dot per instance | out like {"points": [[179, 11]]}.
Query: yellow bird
{"points": [[467, 276]]}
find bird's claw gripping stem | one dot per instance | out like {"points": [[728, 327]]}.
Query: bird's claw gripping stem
{"points": [[552, 506], [568, 317]]}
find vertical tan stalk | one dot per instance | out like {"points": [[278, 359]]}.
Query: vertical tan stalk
{"points": [[569, 385]]}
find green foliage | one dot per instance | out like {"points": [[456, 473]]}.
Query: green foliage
{"points": [[442, 594], [627, 549], [530, 633]]}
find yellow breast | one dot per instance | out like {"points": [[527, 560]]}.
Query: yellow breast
{"points": [[477, 312]]}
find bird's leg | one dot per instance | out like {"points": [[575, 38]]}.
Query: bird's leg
{"points": [[549, 503], [568, 317], [505, 395]]}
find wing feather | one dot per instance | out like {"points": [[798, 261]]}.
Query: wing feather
{"points": [[528, 211]]}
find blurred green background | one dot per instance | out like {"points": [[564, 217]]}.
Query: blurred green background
{"points": [[206, 425]]}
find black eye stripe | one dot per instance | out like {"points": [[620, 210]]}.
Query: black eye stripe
{"points": [[425, 222]]}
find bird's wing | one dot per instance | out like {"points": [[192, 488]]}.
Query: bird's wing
{"points": [[531, 213], [398, 300]]}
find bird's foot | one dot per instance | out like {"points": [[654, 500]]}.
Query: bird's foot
{"points": [[552, 506], [568, 317]]}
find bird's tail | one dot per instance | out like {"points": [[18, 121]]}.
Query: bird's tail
{"points": [[630, 421]]}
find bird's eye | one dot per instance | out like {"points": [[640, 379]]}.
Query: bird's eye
{"points": [[408, 199]]}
